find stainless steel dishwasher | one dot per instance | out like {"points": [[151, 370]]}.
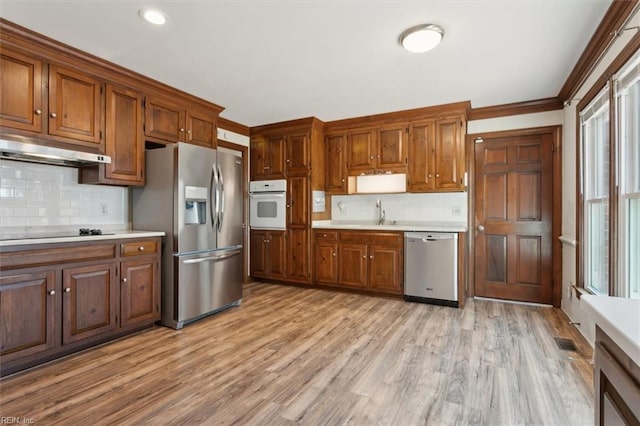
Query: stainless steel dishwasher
{"points": [[431, 268]]}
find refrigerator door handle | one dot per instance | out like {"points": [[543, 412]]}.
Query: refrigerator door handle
{"points": [[214, 197], [212, 258], [221, 211]]}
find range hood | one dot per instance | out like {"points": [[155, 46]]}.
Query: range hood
{"points": [[24, 151]]}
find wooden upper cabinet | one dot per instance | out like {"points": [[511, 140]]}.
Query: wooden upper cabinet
{"points": [[168, 121], [361, 149], [20, 91], [297, 158], [449, 154], [267, 157], [392, 146], [75, 106], [421, 153], [124, 141], [335, 164]]}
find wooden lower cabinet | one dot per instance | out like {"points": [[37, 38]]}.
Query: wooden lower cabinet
{"points": [[298, 255], [50, 311], [268, 258], [372, 261]]}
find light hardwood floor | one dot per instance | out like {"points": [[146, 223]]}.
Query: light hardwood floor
{"points": [[289, 355]]}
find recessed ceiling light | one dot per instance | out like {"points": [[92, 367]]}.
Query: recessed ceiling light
{"points": [[422, 38], [153, 16]]}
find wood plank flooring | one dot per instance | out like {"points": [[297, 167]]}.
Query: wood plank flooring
{"points": [[289, 355]]}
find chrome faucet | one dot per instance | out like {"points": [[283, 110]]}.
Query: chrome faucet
{"points": [[381, 213]]}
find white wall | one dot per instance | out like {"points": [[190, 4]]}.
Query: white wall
{"points": [[43, 198]]}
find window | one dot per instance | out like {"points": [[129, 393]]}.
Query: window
{"points": [[610, 186], [628, 100]]}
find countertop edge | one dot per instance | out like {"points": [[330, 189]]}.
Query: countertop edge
{"points": [[117, 235], [426, 227]]}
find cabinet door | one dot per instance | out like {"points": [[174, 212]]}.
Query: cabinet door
{"points": [[298, 254], [258, 260], [276, 254], [421, 156], [163, 120], [258, 156], [297, 154], [89, 301], [21, 89], [74, 105], [138, 292], [275, 166], [124, 141], [298, 201], [392, 146], [361, 150], [353, 264], [201, 128], [29, 306], [326, 262], [449, 163], [385, 268], [335, 167]]}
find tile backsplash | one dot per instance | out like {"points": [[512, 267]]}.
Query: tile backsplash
{"points": [[433, 207], [40, 198]]}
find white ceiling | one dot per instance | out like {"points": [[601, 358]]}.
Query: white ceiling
{"points": [[268, 61]]}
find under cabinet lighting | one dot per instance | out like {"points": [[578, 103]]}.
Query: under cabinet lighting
{"points": [[153, 16]]}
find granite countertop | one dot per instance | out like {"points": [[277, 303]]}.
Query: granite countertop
{"points": [[113, 235], [393, 226], [620, 319]]}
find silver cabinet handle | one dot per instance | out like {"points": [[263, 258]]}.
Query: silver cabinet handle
{"points": [[371, 257], [54, 115], [288, 161], [437, 174], [181, 129], [364, 257], [333, 254], [67, 290], [371, 157], [342, 180], [38, 111], [189, 132], [430, 175], [52, 292], [480, 228], [141, 248]]}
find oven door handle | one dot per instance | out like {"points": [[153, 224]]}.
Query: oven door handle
{"points": [[267, 195]]}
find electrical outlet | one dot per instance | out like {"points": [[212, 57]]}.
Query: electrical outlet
{"points": [[456, 210], [103, 209]]}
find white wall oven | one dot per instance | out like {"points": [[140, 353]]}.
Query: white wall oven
{"points": [[267, 204]]}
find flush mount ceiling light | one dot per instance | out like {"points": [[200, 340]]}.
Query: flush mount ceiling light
{"points": [[421, 38], [153, 16]]}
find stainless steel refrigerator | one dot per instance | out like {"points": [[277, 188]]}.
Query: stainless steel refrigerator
{"points": [[194, 194]]}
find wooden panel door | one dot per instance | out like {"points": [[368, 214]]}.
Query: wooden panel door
{"points": [[138, 294], [385, 268], [361, 151], [421, 153], [298, 201], [29, 307], [200, 128], [88, 301], [297, 157], [275, 157], [513, 199], [335, 164], [163, 120], [75, 105], [20, 91], [258, 156], [392, 146], [298, 254], [326, 262], [449, 155], [277, 260], [353, 264], [124, 139], [258, 260]]}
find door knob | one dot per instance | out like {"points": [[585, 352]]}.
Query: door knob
{"points": [[53, 115], [52, 292], [480, 228], [38, 111], [124, 280], [67, 290]]}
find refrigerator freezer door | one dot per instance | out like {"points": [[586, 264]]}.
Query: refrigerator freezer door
{"points": [[196, 169], [208, 282], [231, 198]]}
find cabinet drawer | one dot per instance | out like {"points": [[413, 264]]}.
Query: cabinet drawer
{"points": [[326, 235], [56, 255], [137, 248], [365, 237]]}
